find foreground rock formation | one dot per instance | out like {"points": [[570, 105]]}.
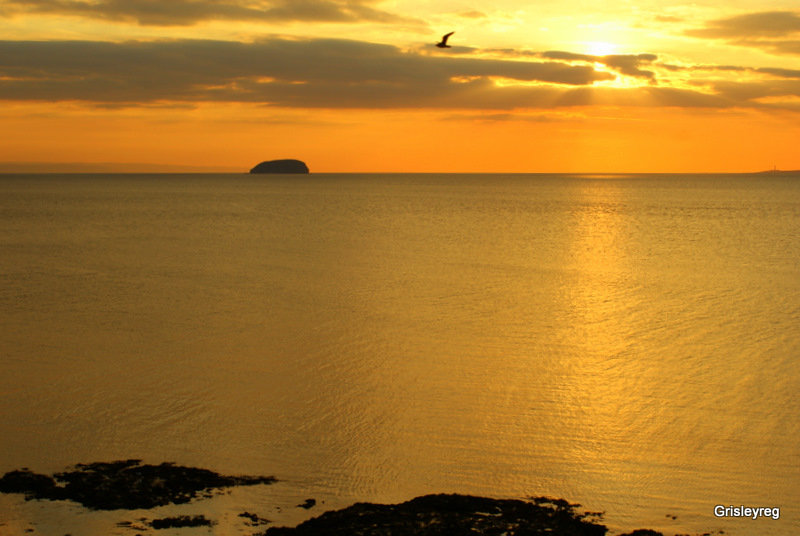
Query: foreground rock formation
{"points": [[453, 515], [129, 485], [123, 484], [281, 166]]}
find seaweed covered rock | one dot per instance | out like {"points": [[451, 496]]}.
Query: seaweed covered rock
{"points": [[453, 515], [281, 166], [123, 484], [181, 521], [29, 483], [255, 519], [308, 504]]}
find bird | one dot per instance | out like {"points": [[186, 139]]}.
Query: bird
{"points": [[443, 42]]}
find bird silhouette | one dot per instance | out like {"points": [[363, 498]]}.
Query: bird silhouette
{"points": [[443, 42]]}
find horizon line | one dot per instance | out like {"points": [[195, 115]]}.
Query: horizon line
{"points": [[120, 168]]}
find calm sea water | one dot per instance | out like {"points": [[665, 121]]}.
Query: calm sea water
{"points": [[626, 342]]}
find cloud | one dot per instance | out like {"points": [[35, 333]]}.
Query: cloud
{"points": [[781, 73], [772, 31], [345, 74], [627, 64], [187, 12], [776, 72], [285, 72], [779, 47], [751, 25], [754, 91]]}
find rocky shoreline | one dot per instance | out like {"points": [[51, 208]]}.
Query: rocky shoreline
{"points": [[131, 485], [453, 515], [124, 484]]}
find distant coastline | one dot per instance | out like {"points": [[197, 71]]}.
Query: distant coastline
{"points": [[779, 172], [108, 167]]}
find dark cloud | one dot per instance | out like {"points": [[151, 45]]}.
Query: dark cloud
{"points": [[725, 68], [777, 72], [187, 12], [780, 73], [672, 67], [772, 31], [752, 91], [295, 73], [331, 73], [751, 25], [627, 64], [779, 47], [780, 85]]}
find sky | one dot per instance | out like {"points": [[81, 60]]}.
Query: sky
{"points": [[358, 85]]}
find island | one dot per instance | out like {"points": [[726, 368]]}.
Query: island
{"points": [[287, 165], [777, 171]]}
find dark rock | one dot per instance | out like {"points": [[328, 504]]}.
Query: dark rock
{"points": [[255, 519], [123, 484], [29, 483], [452, 515], [308, 504], [642, 532], [281, 166], [180, 521]]}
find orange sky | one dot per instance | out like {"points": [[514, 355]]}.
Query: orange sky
{"points": [[356, 85]]}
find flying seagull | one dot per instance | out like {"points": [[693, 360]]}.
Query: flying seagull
{"points": [[443, 42]]}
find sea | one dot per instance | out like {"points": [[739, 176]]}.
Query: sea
{"points": [[626, 342]]}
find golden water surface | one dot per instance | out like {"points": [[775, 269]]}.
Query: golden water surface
{"points": [[627, 342]]}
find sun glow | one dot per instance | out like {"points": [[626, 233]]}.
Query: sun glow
{"points": [[600, 48]]}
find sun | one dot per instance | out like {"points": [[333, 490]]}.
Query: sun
{"points": [[600, 48]]}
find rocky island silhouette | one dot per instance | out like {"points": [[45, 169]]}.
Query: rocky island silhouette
{"points": [[286, 165]]}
